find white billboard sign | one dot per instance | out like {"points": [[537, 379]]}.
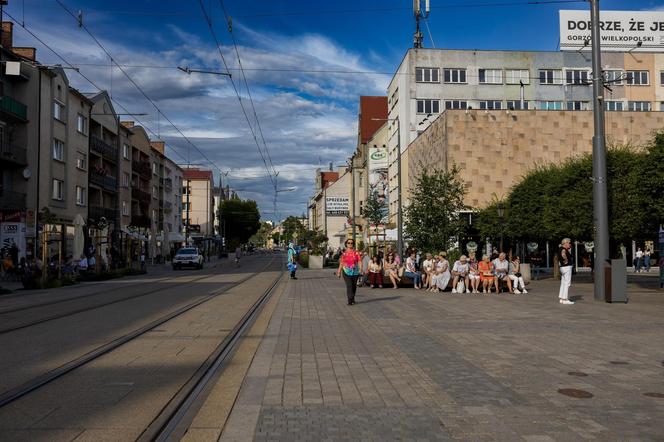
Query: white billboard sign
{"points": [[378, 177], [336, 205], [641, 31]]}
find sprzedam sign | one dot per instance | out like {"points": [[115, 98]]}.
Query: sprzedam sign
{"points": [[620, 30]]}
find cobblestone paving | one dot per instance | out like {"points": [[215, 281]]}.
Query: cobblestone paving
{"points": [[407, 365]]}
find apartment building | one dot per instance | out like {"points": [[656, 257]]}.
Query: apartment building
{"points": [[139, 180], [198, 202], [431, 81], [329, 207]]}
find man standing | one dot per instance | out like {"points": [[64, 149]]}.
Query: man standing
{"points": [[292, 265], [566, 261]]}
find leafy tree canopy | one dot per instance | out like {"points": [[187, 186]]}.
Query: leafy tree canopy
{"points": [[293, 229], [241, 219]]}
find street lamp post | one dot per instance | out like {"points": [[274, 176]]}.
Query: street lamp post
{"points": [[399, 206], [500, 208]]}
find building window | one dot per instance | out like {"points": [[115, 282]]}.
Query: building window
{"points": [[428, 106], [639, 106], [125, 151], [359, 178], [614, 77], [638, 78], [517, 76], [551, 76], [551, 105], [578, 105], [615, 106], [82, 161], [155, 171], [491, 105], [82, 124], [126, 179], [454, 75], [58, 150], [58, 190], [456, 104], [576, 76], [80, 196], [661, 106], [516, 105], [58, 111], [125, 208], [491, 76], [155, 192], [427, 75]]}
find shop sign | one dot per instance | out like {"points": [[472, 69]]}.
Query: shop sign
{"points": [[620, 31]]}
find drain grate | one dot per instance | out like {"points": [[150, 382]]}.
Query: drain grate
{"points": [[655, 395], [618, 362], [577, 394], [577, 373]]}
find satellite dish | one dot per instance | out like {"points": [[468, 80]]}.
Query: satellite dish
{"points": [[27, 173]]}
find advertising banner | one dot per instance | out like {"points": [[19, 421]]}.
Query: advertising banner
{"points": [[378, 177], [636, 31], [13, 233], [336, 205]]}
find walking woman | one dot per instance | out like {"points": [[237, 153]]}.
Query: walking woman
{"points": [[566, 261], [350, 263]]}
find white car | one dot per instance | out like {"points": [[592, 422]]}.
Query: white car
{"points": [[188, 257]]}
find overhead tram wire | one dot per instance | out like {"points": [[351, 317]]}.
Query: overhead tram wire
{"points": [[208, 21], [246, 84], [131, 80]]}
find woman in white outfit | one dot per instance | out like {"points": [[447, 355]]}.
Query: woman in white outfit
{"points": [[515, 276], [566, 262], [442, 274]]}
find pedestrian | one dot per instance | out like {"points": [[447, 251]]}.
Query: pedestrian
{"points": [[639, 260], [350, 264], [292, 264], [13, 253], [566, 261], [142, 260], [646, 259]]}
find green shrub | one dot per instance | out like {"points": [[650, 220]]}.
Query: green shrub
{"points": [[304, 260]]}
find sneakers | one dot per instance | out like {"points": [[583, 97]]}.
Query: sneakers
{"points": [[517, 292], [454, 290], [467, 290], [566, 302], [524, 291]]}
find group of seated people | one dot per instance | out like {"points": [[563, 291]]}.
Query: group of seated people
{"points": [[468, 275]]}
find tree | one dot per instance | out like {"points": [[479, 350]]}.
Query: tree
{"points": [[432, 219], [261, 237], [315, 241], [241, 219], [375, 209], [293, 229]]}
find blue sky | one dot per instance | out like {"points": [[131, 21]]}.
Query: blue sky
{"points": [[307, 119]]}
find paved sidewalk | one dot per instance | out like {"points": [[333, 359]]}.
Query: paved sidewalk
{"points": [[407, 365]]}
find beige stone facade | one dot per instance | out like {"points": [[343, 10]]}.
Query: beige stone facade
{"points": [[494, 149]]}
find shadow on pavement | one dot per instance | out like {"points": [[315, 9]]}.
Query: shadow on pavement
{"points": [[384, 298]]}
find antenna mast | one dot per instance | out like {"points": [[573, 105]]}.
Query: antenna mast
{"points": [[419, 13]]}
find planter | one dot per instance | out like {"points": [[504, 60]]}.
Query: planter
{"points": [[316, 261]]}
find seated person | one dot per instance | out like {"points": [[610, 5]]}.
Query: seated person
{"points": [[460, 271], [485, 268], [411, 271], [474, 275], [427, 270], [375, 272], [501, 268], [515, 276]]}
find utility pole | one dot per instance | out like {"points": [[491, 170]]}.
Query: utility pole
{"points": [[600, 200], [399, 204], [352, 195], [186, 235]]}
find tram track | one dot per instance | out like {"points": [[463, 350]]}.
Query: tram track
{"points": [[43, 380], [87, 308]]}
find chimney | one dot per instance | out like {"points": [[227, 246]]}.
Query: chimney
{"points": [[7, 40], [158, 146], [28, 53], [127, 124]]}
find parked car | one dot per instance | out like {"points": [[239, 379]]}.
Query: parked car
{"points": [[188, 257]]}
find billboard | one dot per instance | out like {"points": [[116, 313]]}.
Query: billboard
{"points": [[378, 177], [336, 205], [637, 31]]}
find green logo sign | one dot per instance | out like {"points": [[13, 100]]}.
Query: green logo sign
{"points": [[379, 155]]}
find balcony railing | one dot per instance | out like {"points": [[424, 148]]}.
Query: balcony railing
{"points": [[11, 200], [13, 108], [140, 194], [105, 181], [96, 213], [14, 154], [141, 221], [142, 168], [103, 148]]}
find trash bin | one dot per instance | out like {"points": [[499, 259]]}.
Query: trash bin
{"points": [[615, 281]]}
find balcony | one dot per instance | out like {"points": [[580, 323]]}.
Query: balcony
{"points": [[96, 213], [142, 168], [11, 200], [141, 221], [168, 206], [13, 154], [168, 184], [103, 148], [140, 195], [104, 181], [13, 109]]}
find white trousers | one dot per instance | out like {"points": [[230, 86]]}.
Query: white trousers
{"points": [[565, 282], [518, 281]]}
